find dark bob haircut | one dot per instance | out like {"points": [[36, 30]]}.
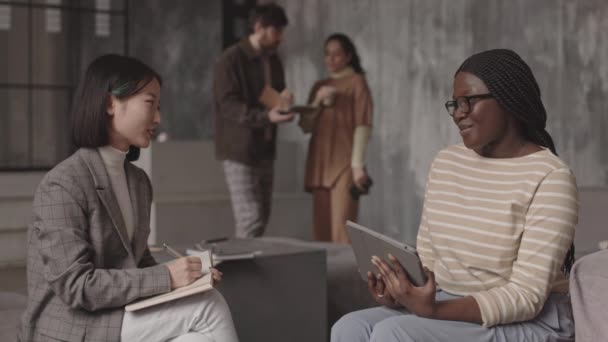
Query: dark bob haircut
{"points": [[268, 15], [107, 75]]}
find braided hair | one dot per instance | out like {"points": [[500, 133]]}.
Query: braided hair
{"points": [[510, 80]]}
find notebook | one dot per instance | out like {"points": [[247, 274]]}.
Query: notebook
{"points": [[219, 258], [228, 249], [202, 284], [270, 98]]}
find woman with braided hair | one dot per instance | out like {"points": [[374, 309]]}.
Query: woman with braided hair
{"points": [[497, 225]]}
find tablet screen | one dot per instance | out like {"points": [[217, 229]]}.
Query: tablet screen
{"points": [[367, 243]]}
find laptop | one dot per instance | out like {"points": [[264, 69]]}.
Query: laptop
{"points": [[367, 243]]}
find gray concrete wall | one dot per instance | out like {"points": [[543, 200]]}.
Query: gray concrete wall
{"points": [[181, 40], [411, 48]]}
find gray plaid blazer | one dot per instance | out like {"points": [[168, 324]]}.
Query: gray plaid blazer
{"points": [[81, 268]]}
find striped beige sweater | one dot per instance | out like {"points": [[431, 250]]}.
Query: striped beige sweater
{"points": [[498, 229]]}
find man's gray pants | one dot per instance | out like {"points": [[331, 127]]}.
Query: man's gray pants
{"points": [[250, 190]]}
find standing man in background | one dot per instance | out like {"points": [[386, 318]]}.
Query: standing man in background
{"points": [[249, 95]]}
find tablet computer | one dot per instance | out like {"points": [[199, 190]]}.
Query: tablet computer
{"points": [[367, 243], [300, 109]]}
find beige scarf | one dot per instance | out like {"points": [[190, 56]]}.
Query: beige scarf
{"points": [[342, 73]]}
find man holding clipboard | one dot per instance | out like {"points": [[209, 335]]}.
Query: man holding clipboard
{"points": [[249, 93]]}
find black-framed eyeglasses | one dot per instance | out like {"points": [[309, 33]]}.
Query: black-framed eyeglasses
{"points": [[464, 103]]}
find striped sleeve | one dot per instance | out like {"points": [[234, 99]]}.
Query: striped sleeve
{"points": [[547, 235], [423, 242]]}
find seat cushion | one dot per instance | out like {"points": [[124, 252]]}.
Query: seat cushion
{"points": [[346, 290], [12, 306]]}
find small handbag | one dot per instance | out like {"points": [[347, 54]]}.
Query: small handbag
{"points": [[356, 192]]}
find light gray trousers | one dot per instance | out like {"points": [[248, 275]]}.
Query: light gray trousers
{"points": [[203, 317], [250, 190], [382, 324]]}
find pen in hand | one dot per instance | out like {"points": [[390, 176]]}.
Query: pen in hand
{"points": [[183, 271], [172, 251]]}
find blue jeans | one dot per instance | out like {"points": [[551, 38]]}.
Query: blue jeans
{"points": [[553, 324]]}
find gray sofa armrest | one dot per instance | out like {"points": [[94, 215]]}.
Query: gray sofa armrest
{"points": [[588, 289]]}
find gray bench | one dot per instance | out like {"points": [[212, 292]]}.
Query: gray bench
{"points": [[346, 290], [281, 295], [11, 307]]}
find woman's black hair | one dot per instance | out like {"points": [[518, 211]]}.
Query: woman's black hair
{"points": [[349, 48], [511, 81], [108, 75]]}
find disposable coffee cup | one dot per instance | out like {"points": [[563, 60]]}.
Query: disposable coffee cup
{"points": [[329, 100]]}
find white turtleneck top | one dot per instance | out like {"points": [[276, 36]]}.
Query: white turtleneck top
{"points": [[114, 161]]}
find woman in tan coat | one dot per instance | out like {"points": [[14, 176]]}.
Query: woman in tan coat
{"points": [[340, 128]]}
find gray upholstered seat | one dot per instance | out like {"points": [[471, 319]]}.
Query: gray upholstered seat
{"points": [[11, 308]]}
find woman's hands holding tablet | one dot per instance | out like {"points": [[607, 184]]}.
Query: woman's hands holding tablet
{"points": [[419, 300], [377, 289]]}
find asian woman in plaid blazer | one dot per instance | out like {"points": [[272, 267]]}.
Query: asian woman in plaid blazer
{"points": [[87, 244]]}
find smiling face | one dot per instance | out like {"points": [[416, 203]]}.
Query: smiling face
{"points": [[134, 119], [336, 58], [487, 127]]}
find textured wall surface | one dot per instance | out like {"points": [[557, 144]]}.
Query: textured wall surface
{"points": [[181, 40], [35, 133], [411, 49]]}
